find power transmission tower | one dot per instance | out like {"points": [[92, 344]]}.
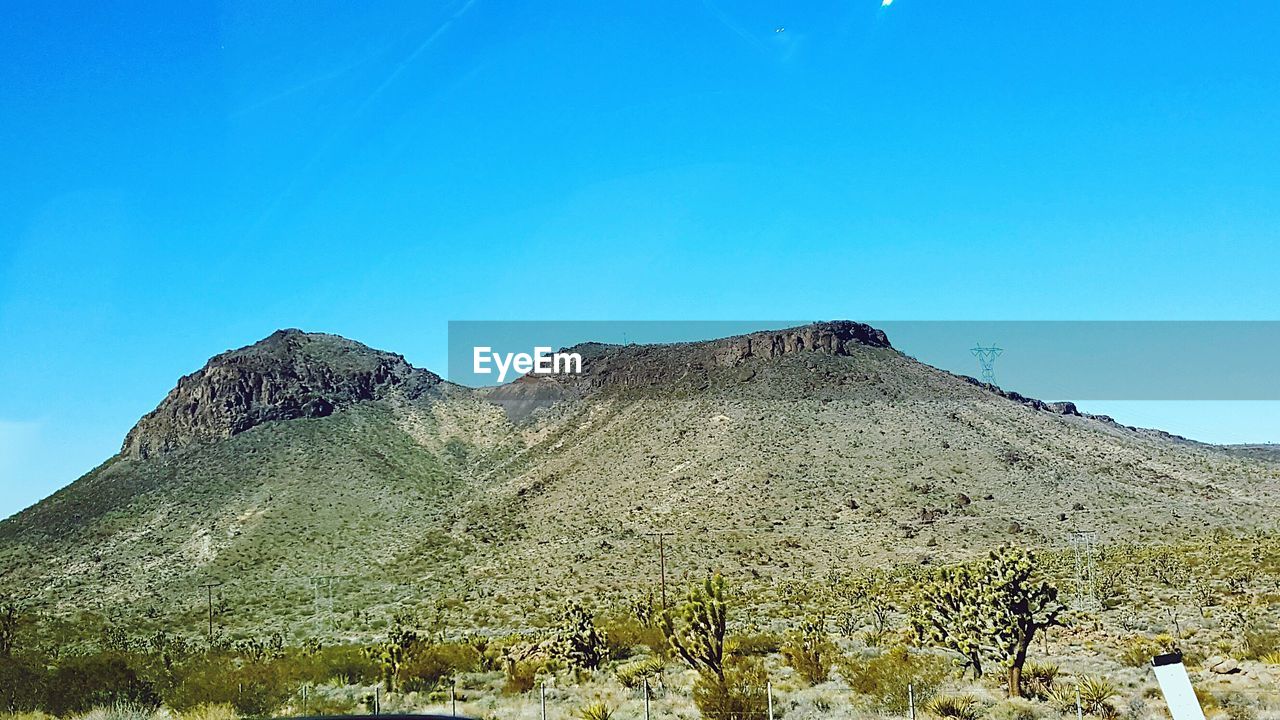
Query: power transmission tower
{"points": [[1083, 544], [208, 589], [987, 361], [322, 600], [662, 562]]}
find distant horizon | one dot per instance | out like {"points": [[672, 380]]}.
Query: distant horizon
{"points": [[1189, 419]]}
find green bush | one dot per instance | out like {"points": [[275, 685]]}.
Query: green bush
{"points": [[757, 644], [521, 677], [624, 635], [1015, 709], [883, 679], [810, 652], [208, 712], [1260, 642], [83, 682], [433, 666], [740, 696], [343, 664], [1094, 694], [1138, 650], [251, 688], [22, 684]]}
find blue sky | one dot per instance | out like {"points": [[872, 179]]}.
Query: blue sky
{"points": [[179, 179]]}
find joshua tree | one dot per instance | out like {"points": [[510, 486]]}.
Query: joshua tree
{"points": [[998, 606], [696, 630], [1018, 605], [950, 615], [578, 640], [810, 651]]}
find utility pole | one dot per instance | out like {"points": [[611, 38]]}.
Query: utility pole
{"points": [[662, 562], [208, 589]]}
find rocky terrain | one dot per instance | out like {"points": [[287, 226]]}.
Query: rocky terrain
{"points": [[319, 483]]}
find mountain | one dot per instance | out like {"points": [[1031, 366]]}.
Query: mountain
{"points": [[315, 480]]}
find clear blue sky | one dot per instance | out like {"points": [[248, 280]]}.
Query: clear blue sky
{"points": [[179, 179]]}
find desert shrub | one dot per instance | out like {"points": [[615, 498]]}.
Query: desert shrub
{"points": [[28, 715], [521, 677], [120, 711], [1271, 658], [99, 680], [1015, 709], [254, 688], [1038, 678], [22, 684], [221, 711], [632, 674], [344, 664], [1260, 642], [883, 679], [327, 705], [1062, 699], [1237, 707], [435, 665], [261, 689], [1208, 701], [595, 711], [741, 694], [954, 707], [1138, 650], [810, 652], [757, 644], [624, 635]]}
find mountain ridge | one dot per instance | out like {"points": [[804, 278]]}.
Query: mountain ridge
{"points": [[799, 456]]}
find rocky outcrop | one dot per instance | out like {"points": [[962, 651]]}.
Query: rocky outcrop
{"points": [[836, 338], [1057, 408], [643, 365], [288, 375], [639, 366]]}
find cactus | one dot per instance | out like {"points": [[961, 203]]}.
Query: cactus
{"points": [[1000, 603], [578, 641], [1018, 605], [810, 652], [696, 631], [949, 614]]}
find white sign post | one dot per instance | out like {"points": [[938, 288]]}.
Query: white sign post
{"points": [[1176, 686]]}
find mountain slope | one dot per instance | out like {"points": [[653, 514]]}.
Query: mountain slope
{"points": [[337, 482]]}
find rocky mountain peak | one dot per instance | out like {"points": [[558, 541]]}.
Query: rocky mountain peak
{"points": [[289, 374]]}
